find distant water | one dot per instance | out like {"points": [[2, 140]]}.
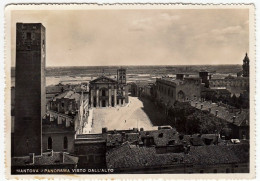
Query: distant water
{"points": [[75, 75]]}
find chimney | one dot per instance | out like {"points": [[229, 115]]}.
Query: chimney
{"points": [[62, 157], [67, 123], [244, 137], [179, 76], [135, 130], [104, 130], [123, 137], [216, 112], [31, 155], [234, 119], [188, 147]]}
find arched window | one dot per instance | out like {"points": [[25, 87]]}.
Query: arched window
{"points": [[49, 143], [65, 143], [181, 95]]}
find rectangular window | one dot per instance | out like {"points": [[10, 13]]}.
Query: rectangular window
{"points": [[91, 158], [28, 35]]}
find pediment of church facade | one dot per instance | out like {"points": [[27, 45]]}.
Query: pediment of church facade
{"points": [[103, 79]]}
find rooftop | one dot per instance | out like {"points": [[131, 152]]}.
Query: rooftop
{"points": [[68, 95], [237, 117], [131, 157], [47, 158]]}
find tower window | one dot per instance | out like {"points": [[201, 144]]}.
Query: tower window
{"points": [[29, 35], [28, 47], [65, 143], [160, 135], [49, 143]]}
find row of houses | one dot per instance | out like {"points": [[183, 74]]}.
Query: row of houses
{"points": [[142, 151]]}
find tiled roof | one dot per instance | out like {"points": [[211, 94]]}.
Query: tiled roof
{"points": [[218, 154], [173, 80], [68, 95], [57, 88], [225, 113], [46, 159], [162, 136], [53, 89], [114, 139], [131, 157]]}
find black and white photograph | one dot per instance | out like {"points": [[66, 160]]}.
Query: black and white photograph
{"points": [[130, 89]]}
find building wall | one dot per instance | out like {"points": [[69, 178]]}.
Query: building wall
{"points": [[190, 88], [30, 100], [64, 105], [168, 92], [235, 86], [91, 154], [58, 141]]}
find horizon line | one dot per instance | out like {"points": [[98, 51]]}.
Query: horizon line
{"points": [[133, 65]]}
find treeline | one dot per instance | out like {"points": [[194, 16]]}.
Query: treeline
{"points": [[189, 120]]}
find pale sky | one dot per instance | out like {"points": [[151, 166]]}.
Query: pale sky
{"points": [[140, 37]]}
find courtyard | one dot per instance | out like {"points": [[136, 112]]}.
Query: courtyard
{"points": [[133, 115]]}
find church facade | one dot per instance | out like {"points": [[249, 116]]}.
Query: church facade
{"points": [[107, 92]]}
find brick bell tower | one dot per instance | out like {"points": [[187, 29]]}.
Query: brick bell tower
{"points": [[121, 76], [246, 66], [30, 95]]}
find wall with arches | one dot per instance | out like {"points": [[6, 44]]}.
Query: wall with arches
{"points": [[58, 142]]}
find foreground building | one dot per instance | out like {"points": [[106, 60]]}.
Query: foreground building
{"points": [[197, 159], [161, 151], [47, 162]]}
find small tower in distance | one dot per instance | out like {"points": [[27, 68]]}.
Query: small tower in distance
{"points": [[246, 66], [204, 75], [121, 76]]}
